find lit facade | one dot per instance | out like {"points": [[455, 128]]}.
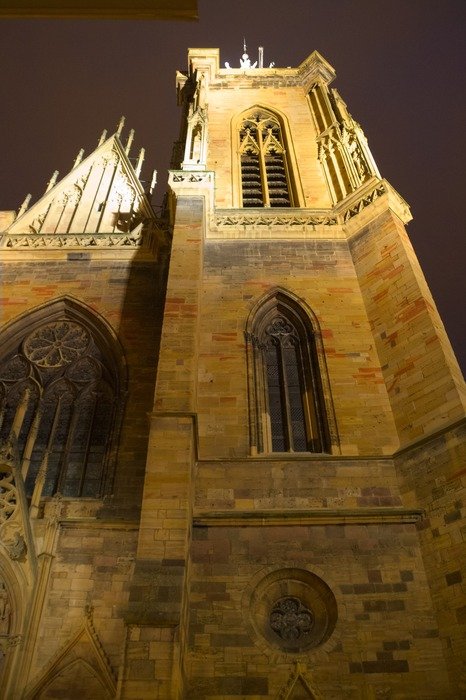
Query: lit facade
{"points": [[233, 463]]}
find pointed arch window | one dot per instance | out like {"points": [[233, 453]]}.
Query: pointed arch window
{"points": [[265, 177], [290, 405], [59, 401]]}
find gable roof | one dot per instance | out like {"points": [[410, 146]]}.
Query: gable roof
{"points": [[101, 194]]}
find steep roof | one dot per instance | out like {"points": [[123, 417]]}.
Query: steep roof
{"points": [[101, 194]]}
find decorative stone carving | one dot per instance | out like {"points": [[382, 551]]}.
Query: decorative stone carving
{"points": [[14, 370], [290, 619], [5, 609], [8, 642], [298, 685], [285, 219], [11, 535], [303, 615], [113, 240], [8, 495], [364, 202], [56, 344], [36, 225], [13, 540], [187, 177]]}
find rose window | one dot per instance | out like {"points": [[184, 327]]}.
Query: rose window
{"points": [[290, 620], [56, 344]]}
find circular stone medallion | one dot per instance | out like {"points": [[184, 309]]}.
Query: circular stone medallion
{"points": [[293, 610]]}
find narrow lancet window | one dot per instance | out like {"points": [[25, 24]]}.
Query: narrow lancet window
{"points": [[264, 170], [287, 402]]}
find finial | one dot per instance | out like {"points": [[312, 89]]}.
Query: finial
{"points": [[24, 205], [79, 158], [52, 181], [261, 56], [103, 136], [153, 182], [129, 142], [245, 61], [120, 126], [140, 162]]}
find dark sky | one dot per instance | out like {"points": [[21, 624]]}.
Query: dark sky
{"points": [[400, 67]]}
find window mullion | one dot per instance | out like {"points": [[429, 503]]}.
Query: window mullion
{"points": [[265, 186], [82, 481], [286, 400], [65, 456]]}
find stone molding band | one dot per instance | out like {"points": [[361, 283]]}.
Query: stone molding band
{"points": [[343, 516]]}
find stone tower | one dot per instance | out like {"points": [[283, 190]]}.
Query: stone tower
{"points": [[283, 520]]}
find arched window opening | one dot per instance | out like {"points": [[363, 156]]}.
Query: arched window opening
{"points": [[288, 404], [60, 404], [264, 171]]}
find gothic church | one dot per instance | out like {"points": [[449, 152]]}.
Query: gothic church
{"points": [[232, 459]]}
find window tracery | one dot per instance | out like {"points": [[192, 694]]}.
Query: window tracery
{"points": [[265, 178], [289, 408], [58, 400]]}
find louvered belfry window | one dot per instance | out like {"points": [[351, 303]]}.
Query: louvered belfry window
{"points": [[264, 175]]}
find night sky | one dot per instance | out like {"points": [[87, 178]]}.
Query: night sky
{"points": [[400, 67]]}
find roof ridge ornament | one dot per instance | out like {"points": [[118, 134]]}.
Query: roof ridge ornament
{"points": [[245, 61]]}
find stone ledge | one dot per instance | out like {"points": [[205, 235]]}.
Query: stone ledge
{"points": [[343, 516]]}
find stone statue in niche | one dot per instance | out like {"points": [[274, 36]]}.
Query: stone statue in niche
{"points": [[196, 141], [17, 547], [5, 609], [358, 159], [200, 97], [13, 540]]}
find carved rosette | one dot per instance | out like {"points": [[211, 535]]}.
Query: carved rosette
{"points": [[56, 344], [290, 619], [291, 610]]}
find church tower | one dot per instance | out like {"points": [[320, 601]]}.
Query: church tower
{"points": [[265, 496], [307, 406]]}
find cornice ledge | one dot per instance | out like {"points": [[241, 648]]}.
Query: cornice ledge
{"points": [[429, 437], [339, 516], [290, 218], [98, 524], [371, 200], [190, 179], [138, 238]]}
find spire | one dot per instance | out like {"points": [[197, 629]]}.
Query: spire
{"points": [[140, 161], [120, 126], [52, 181], [24, 205], [78, 158], [103, 136], [153, 182], [129, 142]]}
